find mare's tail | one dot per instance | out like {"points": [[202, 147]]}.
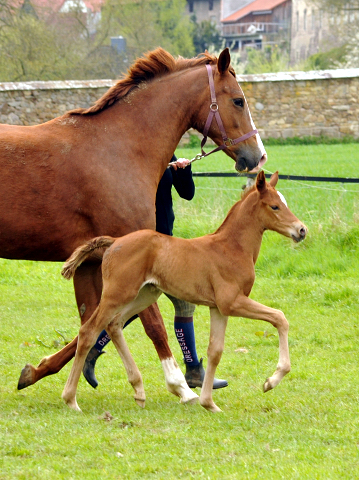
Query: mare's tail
{"points": [[82, 252]]}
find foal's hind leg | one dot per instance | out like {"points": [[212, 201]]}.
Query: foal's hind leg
{"points": [[87, 338], [88, 287], [145, 297], [133, 373]]}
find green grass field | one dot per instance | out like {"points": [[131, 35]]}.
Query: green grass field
{"points": [[306, 428]]}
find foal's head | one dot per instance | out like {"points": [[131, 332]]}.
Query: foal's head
{"points": [[273, 211]]}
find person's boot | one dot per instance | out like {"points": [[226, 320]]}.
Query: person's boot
{"points": [[195, 375], [89, 367]]}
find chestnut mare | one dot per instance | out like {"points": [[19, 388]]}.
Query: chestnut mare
{"points": [[95, 171], [216, 270]]}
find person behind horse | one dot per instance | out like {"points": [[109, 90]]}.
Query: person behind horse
{"points": [[182, 180]]}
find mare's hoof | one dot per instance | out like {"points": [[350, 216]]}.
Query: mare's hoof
{"points": [[27, 377], [267, 386]]}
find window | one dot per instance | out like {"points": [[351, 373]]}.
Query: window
{"points": [[305, 19]]}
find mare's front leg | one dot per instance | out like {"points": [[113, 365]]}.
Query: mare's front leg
{"points": [[88, 287], [214, 354], [248, 308]]}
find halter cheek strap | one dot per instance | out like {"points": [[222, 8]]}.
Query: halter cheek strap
{"points": [[214, 113]]}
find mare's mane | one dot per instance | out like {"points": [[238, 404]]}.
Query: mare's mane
{"points": [[151, 65]]}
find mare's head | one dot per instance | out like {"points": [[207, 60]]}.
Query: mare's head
{"points": [[233, 110], [273, 211], [193, 100]]}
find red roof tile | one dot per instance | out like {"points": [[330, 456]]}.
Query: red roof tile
{"points": [[256, 6]]}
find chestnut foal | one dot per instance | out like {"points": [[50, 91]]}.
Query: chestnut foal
{"points": [[216, 270]]}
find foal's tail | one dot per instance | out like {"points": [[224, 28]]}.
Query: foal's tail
{"points": [[82, 252]]}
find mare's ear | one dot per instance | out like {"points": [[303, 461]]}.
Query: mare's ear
{"points": [[261, 184], [274, 179], [224, 61]]}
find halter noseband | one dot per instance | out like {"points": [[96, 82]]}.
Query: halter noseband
{"points": [[214, 112]]}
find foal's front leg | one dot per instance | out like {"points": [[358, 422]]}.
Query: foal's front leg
{"points": [[248, 308], [214, 354]]}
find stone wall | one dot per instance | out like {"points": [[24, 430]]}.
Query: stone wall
{"points": [[282, 105], [30, 103], [304, 103]]}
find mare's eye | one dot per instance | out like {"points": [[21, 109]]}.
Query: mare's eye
{"points": [[238, 102], [274, 207]]}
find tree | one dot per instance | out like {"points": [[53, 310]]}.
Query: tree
{"points": [[344, 24], [65, 46], [205, 36], [33, 48], [337, 5], [147, 24], [327, 60], [269, 59]]}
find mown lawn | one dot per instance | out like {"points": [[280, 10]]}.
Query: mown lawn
{"points": [[306, 428]]}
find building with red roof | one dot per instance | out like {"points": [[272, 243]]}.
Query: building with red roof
{"points": [[258, 23]]}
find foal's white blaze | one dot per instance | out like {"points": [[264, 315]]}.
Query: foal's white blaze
{"points": [[281, 196], [176, 383]]}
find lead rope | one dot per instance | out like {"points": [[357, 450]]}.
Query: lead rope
{"points": [[199, 156]]}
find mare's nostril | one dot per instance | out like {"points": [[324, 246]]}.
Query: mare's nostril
{"points": [[302, 232], [241, 164]]}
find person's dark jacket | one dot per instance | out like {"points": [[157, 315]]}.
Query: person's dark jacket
{"points": [[182, 180]]}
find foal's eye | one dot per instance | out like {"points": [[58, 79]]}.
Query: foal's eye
{"points": [[238, 102], [274, 207]]}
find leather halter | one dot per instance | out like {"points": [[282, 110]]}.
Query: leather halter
{"points": [[214, 112]]}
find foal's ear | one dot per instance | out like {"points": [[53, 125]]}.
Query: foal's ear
{"points": [[224, 61], [261, 184], [274, 179]]}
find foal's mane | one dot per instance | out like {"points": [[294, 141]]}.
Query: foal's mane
{"points": [[246, 192], [153, 64]]}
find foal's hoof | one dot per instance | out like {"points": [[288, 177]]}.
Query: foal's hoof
{"points": [[72, 403], [212, 408], [190, 401], [267, 385], [27, 377], [140, 402]]}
